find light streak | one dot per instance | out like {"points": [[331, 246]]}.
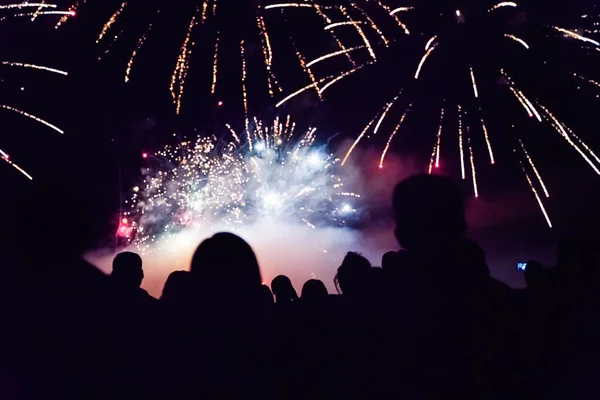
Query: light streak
{"points": [[460, 143], [245, 92], [295, 5], [393, 14], [306, 69], [473, 170], [560, 128], [389, 141], [33, 117], [431, 160], [6, 159], [338, 41], [233, 133], [215, 70], [581, 142], [503, 4], [372, 24], [334, 54], [575, 35], [516, 39], [439, 141], [423, 60], [36, 13], [204, 9], [297, 92], [475, 91], [534, 168], [529, 112], [401, 9], [33, 66], [535, 112], [72, 9], [387, 108], [342, 76], [361, 34], [139, 45], [111, 21], [181, 68], [267, 53], [358, 139], [26, 4], [430, 42], [488, 142], [537, 196], [336, 24]]}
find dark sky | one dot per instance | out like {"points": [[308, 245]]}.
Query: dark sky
{"points": [[108, 123]]}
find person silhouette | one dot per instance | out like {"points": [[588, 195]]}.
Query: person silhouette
{"points": [[429, 213], [443, 275], [226, 278], [283, 290], [177, 292], [314, 292], [177, 288], [127, 270], [267, 301], [127, 276], [231, 334], [352, 278], [388, 260]]}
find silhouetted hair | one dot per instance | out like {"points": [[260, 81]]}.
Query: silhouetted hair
{"points": [[226, 262], [283, 289], [226, 279], [314, 291], [429, 211], [177, 286], [353, 274], [127, 269]]}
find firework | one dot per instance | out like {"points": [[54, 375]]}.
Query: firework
{"points": [[220, 33], [20, 10], [207, 181], [380, 28]]}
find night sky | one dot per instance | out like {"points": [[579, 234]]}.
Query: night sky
{"points": [[108, 124]]}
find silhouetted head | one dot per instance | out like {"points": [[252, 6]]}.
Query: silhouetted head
{"points": [[266, 295], [283, 289], [127, 270], [429, 212], [177, 287], [314, 291], [388, 260], [535, 275], [353, 275], [225, 272]]}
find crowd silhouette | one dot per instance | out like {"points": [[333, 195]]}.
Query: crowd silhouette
{"points": [[429, 323]]}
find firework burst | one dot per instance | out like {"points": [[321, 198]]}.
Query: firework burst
{"points": [[19, 11], [273, 173], [223, 39], [464, 71]]}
